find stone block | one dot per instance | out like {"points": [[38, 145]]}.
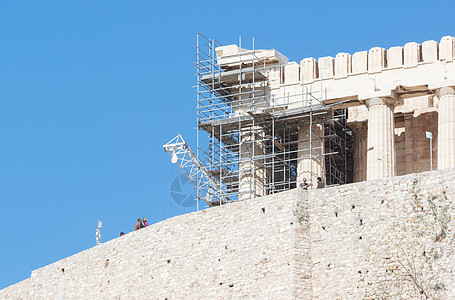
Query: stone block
{"points": [[447, 48], [411, 55], [430, 51], [326, 67], [360, 62], [291, 73], [309, 69], [376, 60], [274, 76], [395, 57], [342, 65]]}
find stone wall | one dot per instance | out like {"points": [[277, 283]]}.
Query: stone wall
{"points": [[239, 250], [384, 239]]}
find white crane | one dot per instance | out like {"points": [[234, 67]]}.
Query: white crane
{"points": [[206, 185]]}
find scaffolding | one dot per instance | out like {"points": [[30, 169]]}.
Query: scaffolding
{"points": [[260, 129]]}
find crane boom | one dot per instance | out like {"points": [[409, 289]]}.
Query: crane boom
{"points": [[206, 185]]}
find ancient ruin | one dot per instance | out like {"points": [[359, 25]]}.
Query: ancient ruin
{"points": [[346, 118], [368, 119]]}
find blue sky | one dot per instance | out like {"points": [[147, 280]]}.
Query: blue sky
{"points": [[91, 90]]}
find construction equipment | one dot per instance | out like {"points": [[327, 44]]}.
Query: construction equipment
{"points": [[207, 188]]}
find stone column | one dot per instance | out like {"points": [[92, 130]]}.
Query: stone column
{"points": [[252, 174], [409, 153], [381, 138], [360, 150], [310, 164], [364, 147], [446, 127]]}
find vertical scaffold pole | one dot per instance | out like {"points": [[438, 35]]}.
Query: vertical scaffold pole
{"points": [[198, 178]]}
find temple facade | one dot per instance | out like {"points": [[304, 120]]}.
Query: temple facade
{"points": [[399, 104]]}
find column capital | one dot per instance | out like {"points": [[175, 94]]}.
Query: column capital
{"points": [[382, 97], [447, 90], [443, 88], [408, 115], [389, 101]]}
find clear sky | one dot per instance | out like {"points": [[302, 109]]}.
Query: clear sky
{"points": [[91, 90]]}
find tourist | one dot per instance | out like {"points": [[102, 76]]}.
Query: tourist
{"points": [[304, 184], [122, 233], [142, 224], [144, 219], [137, 226], [320, 183]]}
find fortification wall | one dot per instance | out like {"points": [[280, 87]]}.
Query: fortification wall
{"points": [[384, 239], [233, 251]]}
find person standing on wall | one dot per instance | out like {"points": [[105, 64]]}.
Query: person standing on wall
{"points": [[320, 183]]}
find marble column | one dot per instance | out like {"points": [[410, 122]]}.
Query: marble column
{"points": [[360, 150], [381, 138], [446, 127], [252, 174], [310, 164], [408, 148]]}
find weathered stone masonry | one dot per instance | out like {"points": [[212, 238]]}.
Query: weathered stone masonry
{"points": [[389, 238], [365, 238], [233, 251]]}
